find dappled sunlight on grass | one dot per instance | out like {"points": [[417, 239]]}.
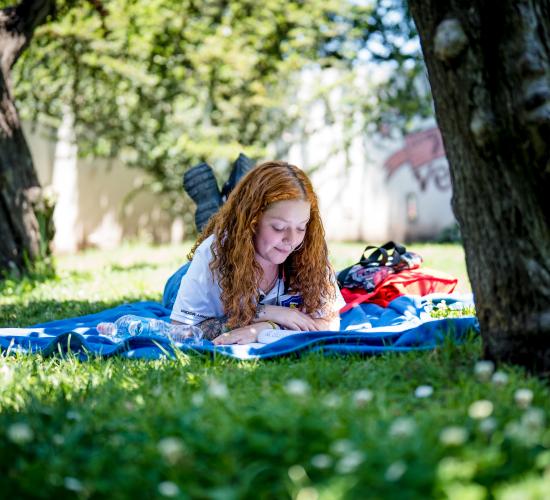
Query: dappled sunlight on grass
{"points": [[426, 424], [127, 255], [388, 424]]}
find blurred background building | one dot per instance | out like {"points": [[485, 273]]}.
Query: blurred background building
{"points": [[343, 96], [380, 188]]}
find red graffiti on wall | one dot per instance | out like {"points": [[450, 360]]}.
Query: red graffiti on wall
{"points": [[420, 152]]}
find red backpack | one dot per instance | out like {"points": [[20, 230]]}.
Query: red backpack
{"points": [[388, 272]]}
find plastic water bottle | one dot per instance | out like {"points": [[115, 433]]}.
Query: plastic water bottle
{"points": [[130, 325]]}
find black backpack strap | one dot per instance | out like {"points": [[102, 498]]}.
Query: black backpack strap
{"points": [[381, 255], [377, 258], [342, 275]]}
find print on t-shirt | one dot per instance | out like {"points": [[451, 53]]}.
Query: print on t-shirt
{"points": [[292, 301]]}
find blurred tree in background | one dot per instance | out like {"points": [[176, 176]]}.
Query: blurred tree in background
{"points": [[163, 84], [24, 220]]}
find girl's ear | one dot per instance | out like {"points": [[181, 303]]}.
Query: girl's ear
{"points": [[255, 222]]}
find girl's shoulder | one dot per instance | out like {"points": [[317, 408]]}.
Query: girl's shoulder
{"points": [[206, 245], [203, 252]]}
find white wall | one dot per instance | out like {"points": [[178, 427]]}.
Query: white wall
{"points": [[96, 210], [358, 201], [433, 201]]}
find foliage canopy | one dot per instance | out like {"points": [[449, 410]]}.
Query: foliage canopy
{"points": [[163, 84]]}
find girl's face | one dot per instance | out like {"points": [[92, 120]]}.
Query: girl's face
{"points": [[280, 230]]}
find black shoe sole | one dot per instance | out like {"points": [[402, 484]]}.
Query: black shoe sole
{"points": [[200, 184], [240, 168]]}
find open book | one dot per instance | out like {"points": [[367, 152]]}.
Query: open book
{"points": [[270, 335]]}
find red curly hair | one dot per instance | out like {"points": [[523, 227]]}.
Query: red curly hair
{"points": [[234, 227]]}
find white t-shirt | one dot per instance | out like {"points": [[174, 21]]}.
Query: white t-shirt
{"points": [[199, 294]]}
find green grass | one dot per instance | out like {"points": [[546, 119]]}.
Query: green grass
{"points": [[304, 428]]}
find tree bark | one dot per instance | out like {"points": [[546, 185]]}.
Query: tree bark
{"points": [[20, 191], [488, 65]]}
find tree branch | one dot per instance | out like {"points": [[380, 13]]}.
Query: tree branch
{"points": [[26, 17], [17, 25]]}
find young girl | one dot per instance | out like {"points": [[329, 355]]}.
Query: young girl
{"points": [[261, 262]]}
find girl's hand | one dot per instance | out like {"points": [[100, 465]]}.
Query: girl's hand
{"points": [[290, 318], [244, 335], [331, 323]]}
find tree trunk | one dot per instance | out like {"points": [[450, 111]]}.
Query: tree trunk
{"points": [[20, 192], [488, 65]]}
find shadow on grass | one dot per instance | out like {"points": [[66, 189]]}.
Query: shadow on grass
{"points": [[41, 311], [27, 282]]}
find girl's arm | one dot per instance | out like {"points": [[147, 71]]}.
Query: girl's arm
{"points": [[211, 328], [243, 335], [287, 317], [294, 319], [215, 329], [331, 323]]}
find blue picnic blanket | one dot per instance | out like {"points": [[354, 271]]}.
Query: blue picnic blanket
{"points": [[405, 325]]}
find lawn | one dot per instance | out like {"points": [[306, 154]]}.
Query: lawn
{"points": [[434, 424]]}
